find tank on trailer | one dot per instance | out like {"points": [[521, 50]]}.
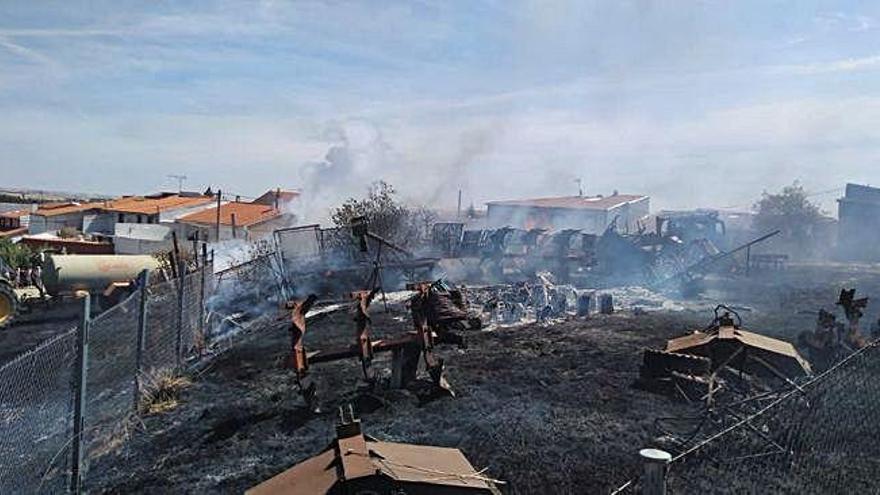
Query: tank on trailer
{"points": [[94, 273]]}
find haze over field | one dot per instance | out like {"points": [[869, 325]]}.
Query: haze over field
{"points": [[706, 104]]}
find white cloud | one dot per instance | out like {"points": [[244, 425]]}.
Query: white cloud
{"points": [[843, 65]]}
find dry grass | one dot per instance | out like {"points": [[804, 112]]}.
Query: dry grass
{"points": [[161, 391]]}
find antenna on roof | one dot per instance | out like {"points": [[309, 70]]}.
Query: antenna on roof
{"points": [[179, 179]]}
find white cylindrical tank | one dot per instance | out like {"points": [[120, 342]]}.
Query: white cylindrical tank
{"points": [[72, 272]]}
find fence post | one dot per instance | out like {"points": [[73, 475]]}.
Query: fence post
{"points": [[654, 462], [141, 343], [202, 334], [82, 364], [181, 289]]}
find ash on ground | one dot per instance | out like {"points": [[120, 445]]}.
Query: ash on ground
{"points": [[549, 407]]}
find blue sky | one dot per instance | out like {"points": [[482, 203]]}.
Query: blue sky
{"points": [[696, 103]]}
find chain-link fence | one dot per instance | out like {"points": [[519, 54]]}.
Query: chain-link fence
{"points": [[36, 417], [817, 437], [158, 328], [242, 295]]}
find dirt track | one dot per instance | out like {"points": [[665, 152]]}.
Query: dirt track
{"points": [[549, 409]]}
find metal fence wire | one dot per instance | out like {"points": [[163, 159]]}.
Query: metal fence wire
{"points": [[36, 418], [818, 437], [160, 346], [110, 375], [37, 389]]}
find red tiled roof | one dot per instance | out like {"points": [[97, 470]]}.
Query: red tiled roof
{"points": [[246, 214], [573, 202], [52, 209], [15, 213], [150, 205]]}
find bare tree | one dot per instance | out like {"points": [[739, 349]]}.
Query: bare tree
{"points": [[387, 216]]}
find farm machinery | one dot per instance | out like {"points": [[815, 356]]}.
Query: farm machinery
{"points": [[437, 312]]}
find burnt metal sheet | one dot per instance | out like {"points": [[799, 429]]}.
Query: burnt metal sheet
{"points": [[728, 340], [425, 464], [316, 475], [354, 458]]}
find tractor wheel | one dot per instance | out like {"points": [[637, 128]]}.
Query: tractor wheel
{"points": [[8, 304]]}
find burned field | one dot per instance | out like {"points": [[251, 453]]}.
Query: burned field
{"points": [[548, 408]]}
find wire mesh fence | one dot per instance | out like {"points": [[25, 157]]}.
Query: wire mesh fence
{"points": [[110, 375], [37, 389], [36, 411], [817, 437]]}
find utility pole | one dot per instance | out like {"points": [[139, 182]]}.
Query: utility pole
{"points": [[580, 187], [179, 178]]}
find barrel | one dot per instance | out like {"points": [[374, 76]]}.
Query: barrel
{"points": [[69, 273]]}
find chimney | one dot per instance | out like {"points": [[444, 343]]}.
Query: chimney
{"points": [[277, 195]]}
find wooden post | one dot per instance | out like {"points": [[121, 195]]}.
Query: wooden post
{"points": [[181, 286], [82, 364], [219, 196], [141, 343], [654, 463], [203, 283]]}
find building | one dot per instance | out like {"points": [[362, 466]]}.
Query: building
{"points": [[13, 224], [248, 221], [592, 214], [359, 464], [858, 234], [151, 209], [279, 198], [52, 217]]}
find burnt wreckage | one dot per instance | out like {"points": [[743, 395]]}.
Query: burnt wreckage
{"points": [[722, 359], [336, 260], [683, 248]]}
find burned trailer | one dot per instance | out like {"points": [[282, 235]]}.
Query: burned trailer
{"points": [[333, 261]]}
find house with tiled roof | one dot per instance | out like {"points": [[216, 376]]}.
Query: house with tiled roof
{"points": [[52, 217], [235, 220]]}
